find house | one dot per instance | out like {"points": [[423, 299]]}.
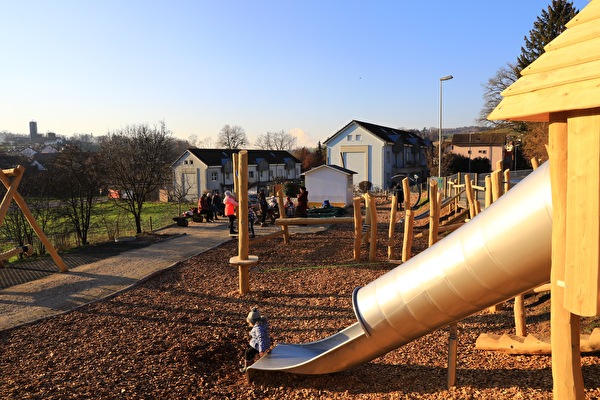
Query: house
{"points": [[198, 171], [485, 145], [377, 153], [329, 182]]}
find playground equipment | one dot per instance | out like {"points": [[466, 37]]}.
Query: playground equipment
{"points": [[481, 264], [243, 260], [10, 179]]}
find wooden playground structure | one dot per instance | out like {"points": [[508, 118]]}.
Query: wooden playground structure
{"points": [[10, 179], [560, 88]]}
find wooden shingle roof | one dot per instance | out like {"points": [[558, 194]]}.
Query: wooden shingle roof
{"points": [[565, 77]]}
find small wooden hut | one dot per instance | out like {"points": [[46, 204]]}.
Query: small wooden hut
{"points": [[562, 87]]}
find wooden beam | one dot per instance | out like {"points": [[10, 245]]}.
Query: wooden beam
{"points": [[582, 268], [566, 361], [31, 219], [314, 221], [357, 227]]}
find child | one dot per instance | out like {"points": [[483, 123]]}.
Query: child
{"points": [[289, 207], [251, 219], [230, 205], [260, 340]]}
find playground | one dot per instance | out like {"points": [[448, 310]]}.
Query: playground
{"points": [[181, 334]]}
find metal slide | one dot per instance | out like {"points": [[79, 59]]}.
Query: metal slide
{"points": [[502, 252]]}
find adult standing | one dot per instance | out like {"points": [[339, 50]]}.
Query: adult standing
{"points": [[203, 207], [302, 206], [218, 202], [264, 207], [211, 206], [230, 205]]}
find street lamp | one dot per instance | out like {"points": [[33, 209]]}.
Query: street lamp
{"points": [[442, 79]]}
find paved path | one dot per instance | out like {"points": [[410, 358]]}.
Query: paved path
{"points": [[62, 292]]}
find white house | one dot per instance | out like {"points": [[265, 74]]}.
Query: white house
{"points": [[377, 153], [329, 182], [198, 171]]}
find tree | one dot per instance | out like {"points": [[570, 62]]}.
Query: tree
{"points": [[551, 23], [492, 95], [137, 159], [232, 137], [309, 158], [78, 175], [276, 141]]}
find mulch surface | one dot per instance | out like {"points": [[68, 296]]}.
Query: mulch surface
{"points": [[181, 335]]}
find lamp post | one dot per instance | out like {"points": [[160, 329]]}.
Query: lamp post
{"points": [[470, 153], [442, 79]]}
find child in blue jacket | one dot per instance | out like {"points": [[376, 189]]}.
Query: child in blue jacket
{"points": [[260, 339]]}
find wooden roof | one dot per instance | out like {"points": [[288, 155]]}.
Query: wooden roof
{"points": [[565, 77]]}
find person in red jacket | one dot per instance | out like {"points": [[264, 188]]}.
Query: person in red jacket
{"points": [[230, 205], [302, 206]]}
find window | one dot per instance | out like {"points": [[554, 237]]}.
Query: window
{"points": [[251, 174], [349, 138], [191, 162], [387, 157], [358, 138], [185, 162], [482, 151], [214, 176]]}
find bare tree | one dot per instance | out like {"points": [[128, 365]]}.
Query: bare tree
{"points": [[232, 137], [492, 92], [193, 140], [78, 177], [137, 160], [276, 141], [206, 143], [181, 188]]}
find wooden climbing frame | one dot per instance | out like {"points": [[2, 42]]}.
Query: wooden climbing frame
{"points": [[10, 179]]}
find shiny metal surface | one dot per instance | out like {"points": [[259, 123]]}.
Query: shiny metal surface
{"points": [[501, 253]]}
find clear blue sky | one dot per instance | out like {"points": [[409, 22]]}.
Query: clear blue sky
{"points": [[306, 67]]}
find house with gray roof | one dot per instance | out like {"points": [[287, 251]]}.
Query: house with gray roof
{"points": [[199, 171], [377, 153]]}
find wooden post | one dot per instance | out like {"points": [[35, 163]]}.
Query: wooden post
{"points": [[566, 359], [243, 260], [470, 197], [506, 180], [31, 219], [452, 354], [372, 210], [282, 214], [496, 185], [17, 174], [409, 220], [434, 213], [357, 227], [392, 228]]}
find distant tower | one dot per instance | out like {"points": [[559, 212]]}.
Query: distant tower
{"points": [[33, 133]]}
